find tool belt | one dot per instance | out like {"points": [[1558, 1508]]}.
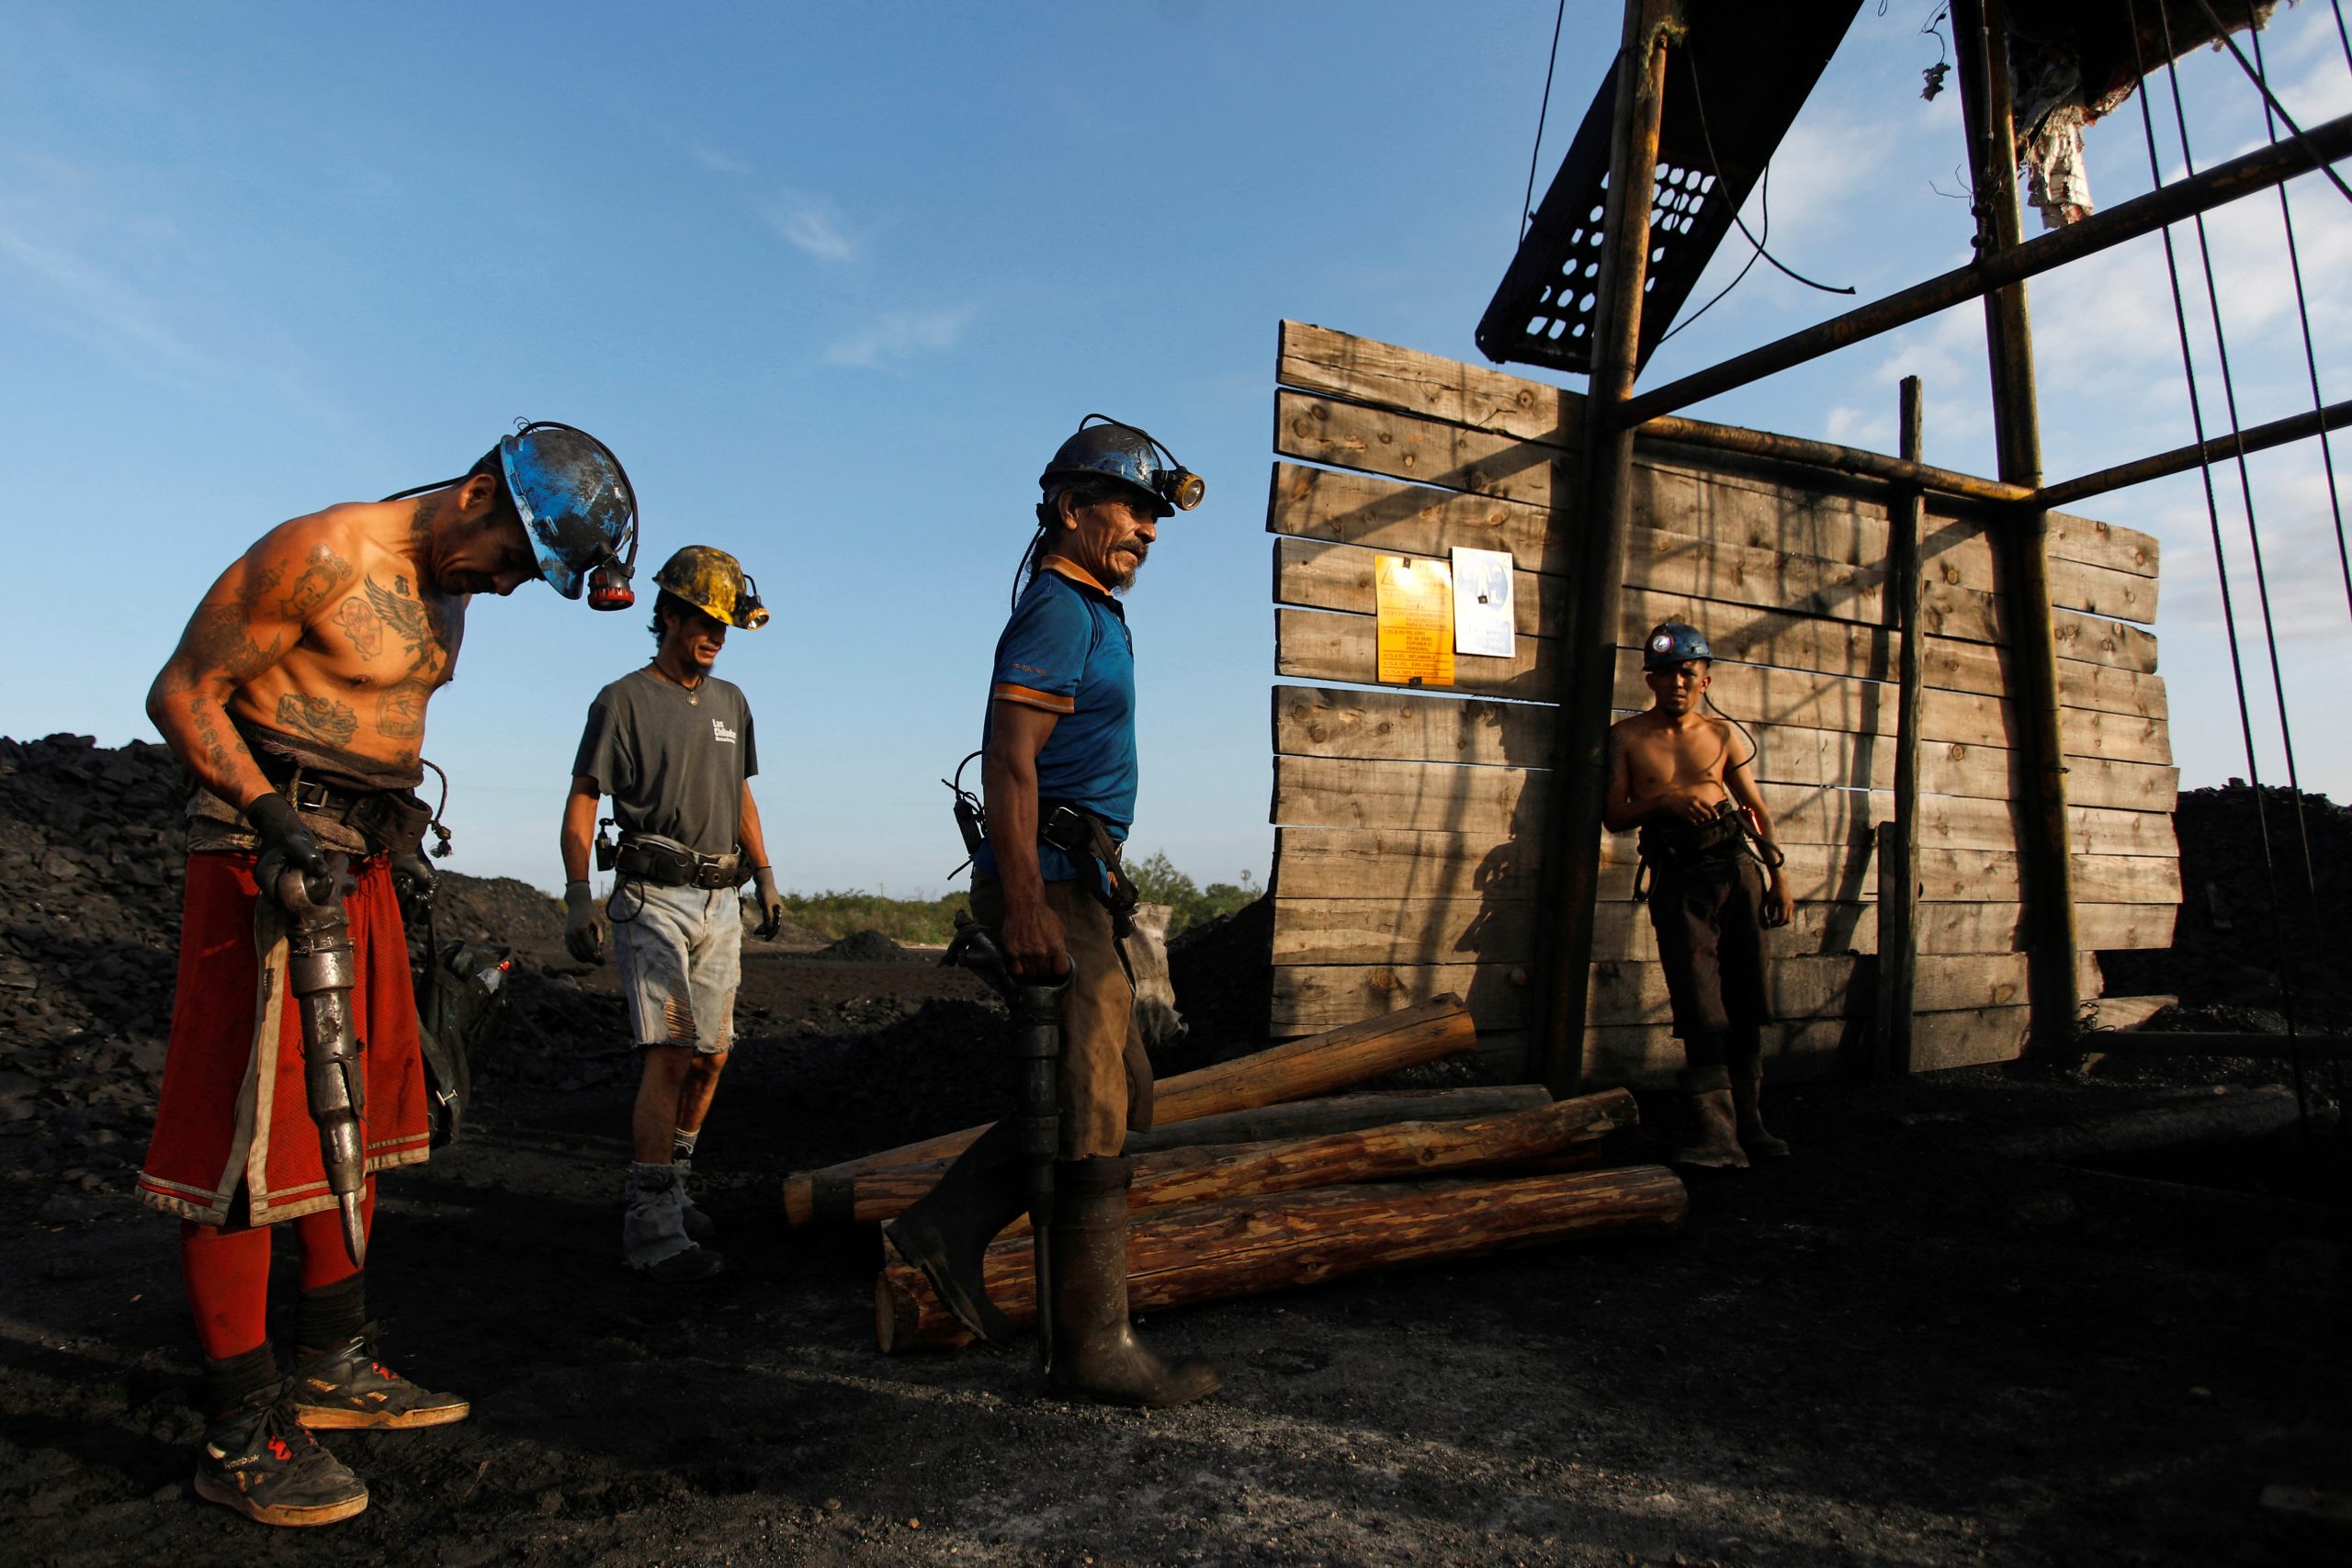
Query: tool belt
{"points": [[666, 862], [356, 821], [1075, 831]]}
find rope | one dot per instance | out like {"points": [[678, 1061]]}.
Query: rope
{"points": [[2213, 525]]}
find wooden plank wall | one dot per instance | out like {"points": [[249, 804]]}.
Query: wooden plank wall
{"points": [[1409, 821]]}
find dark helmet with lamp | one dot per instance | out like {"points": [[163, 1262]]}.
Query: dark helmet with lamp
{"points": [[1674, 642], [576, 505], [1126, 453], [715, 583]]}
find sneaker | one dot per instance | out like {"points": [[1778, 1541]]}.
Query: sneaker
{"points": [[699, 1226], [261, 1462], [347, 1387], [653, 1231]]}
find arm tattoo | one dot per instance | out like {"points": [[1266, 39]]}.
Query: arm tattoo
{"points": [[319, 718], [220, 636], [324, 573]]}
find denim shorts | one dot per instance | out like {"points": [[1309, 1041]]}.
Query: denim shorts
{"points": [[681, 951]]}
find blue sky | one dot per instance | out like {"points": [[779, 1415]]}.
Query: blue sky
{"points": [[834, 280]]}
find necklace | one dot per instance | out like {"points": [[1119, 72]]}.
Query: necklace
{"points": [[693, 692]]}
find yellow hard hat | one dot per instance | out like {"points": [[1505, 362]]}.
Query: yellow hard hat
{"points": [[715, 583]]}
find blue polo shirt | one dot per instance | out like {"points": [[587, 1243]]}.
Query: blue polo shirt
{"points": [[1068, 650]]}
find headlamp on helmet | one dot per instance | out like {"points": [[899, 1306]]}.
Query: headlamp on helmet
{"points": [[715, 583], [576, 503], [1674, 642], [1127, 453]]}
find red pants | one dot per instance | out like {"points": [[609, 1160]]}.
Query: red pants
{"points": [[233, 1111]]}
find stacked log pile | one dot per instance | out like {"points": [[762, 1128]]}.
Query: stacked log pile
{"points": [[1256, 1177]]}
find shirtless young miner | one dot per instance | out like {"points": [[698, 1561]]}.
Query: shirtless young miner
{"points": [[1682, 778], [297, 698]]}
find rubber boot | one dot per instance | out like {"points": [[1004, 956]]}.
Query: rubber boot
{"points": [[653, 1230], [1708, 1091], [1096, 1350], [1747, 1099], [947, 1230], [698, 1225]]}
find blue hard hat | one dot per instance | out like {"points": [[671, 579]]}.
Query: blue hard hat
{"points": [[574, 500], [1674, 642], [1127, 453]]}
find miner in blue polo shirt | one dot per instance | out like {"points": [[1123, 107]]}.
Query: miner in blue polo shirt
{"points": [[1058, 763]]}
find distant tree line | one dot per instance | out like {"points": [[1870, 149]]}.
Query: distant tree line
{"points": [[932, 921]]}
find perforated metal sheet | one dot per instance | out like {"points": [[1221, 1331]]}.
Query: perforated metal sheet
{"points": [[1755, 65]]}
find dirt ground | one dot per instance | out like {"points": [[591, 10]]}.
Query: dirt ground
{"points": [[1893, 1348], [1897, 1347]]}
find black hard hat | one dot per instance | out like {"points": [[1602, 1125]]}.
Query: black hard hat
{"points": [[1126, 453]]}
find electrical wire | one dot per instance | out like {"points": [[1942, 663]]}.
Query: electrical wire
{"points": [[2221, 561], [1527, 204], [1714, 167], [2226, 41], [2304, 315]]}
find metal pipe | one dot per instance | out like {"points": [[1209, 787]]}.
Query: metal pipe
{"points": [[2259, 438], [1581, 749], [1824, 454], [1898, 879], [2256, 171]]}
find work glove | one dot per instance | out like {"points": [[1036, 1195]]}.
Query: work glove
{"points": [[286, 841], [584, 926], [412, 873], [771, 904]]}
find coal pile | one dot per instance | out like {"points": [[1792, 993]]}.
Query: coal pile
{"points": [[938, 1068], [866, 947], [91, 866], [1223, 973], [2228, 951]]}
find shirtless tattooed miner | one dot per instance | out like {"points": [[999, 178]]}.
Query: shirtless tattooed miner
{"points": [[297, 700]]}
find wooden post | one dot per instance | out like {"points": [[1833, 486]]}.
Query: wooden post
{"points": [[1898, 841], [2045, 863], [1580, 752]]}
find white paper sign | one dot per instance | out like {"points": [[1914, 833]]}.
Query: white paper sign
{"points": [[1484, 616]]}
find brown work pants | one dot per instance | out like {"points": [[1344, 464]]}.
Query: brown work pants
{"points": [[1709, 923], [1106, 1074]]}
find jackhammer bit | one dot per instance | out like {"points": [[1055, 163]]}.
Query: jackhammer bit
{"points": [[321, 970], [1035, 1047]]}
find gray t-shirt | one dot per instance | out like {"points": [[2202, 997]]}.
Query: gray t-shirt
{"points": [[674, 760]]}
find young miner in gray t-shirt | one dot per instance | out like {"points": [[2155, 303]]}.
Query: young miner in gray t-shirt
{"points": [[671, 745]]}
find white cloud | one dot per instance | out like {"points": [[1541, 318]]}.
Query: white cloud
{"points": [[811, 224], [900, 335], [713, 159]]}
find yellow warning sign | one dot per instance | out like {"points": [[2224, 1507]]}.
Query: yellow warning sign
{"points": [[1415, 601]]}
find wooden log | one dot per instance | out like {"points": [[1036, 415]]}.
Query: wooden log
{"points": [[1249, 1246], [1550, 1136], [878, 1195], [1299, 1070], [2223, 1116]]}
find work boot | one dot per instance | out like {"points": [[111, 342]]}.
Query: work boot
{"points": [[259, 1460], [1708, 1091], [946, 1232], [1747, 1099], [699, 1226], [346, 1386], [653, 1229], [1095, 1348]]}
